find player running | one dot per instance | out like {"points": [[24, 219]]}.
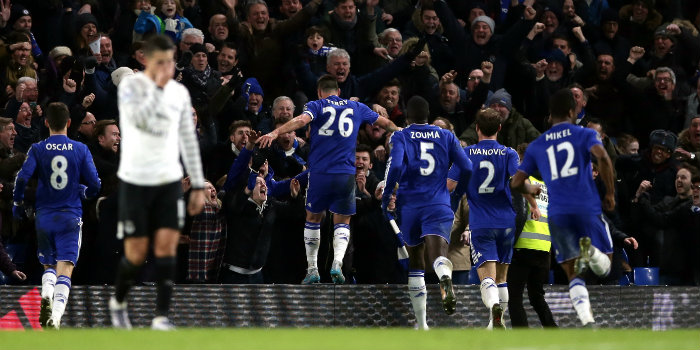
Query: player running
{"points": [[579, 234], [491, 214], [421, 156], [60, 164], [334, 125]]}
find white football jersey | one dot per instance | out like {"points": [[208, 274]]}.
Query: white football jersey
{"points": [[156, 127]]}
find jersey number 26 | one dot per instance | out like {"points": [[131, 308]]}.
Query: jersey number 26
{"points": [[344, 122]]}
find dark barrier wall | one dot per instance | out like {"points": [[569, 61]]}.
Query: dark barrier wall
{"points": [[349, 306]]}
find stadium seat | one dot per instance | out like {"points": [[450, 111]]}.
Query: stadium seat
{"points": [[473, 276], [646, 276]]}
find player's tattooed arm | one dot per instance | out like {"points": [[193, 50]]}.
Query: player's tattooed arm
{"points": [[297, 123]]}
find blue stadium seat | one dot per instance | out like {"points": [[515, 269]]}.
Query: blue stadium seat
{"points": [[646, 276], [473, 276]]}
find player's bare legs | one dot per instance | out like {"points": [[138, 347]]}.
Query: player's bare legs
{"points": [[416, 284], [436, 247]]}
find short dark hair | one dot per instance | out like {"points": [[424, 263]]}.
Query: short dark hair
{"points": [[102, 125], [57, 115], [488, 121], [363, 148], [327, 83], [158, 42], [281, 121], [238, 124], [392, 82], [561, 104], [417, 110], [229, 44]]}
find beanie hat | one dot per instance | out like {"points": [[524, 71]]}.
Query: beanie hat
{"points": [[609, 15], [121, 73], [663, 138], [60, 51], [557, 55], [197, 48], [251, 86], [501, 97], [84, 19], [487, 20], [16, 12]]}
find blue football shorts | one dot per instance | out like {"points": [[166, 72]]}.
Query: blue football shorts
{"points": [[418, 222], [59, 234], [567, 229], [334, 192], [492, 244]]}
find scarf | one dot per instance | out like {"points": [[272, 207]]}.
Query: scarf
{"points": [[200, 78]]}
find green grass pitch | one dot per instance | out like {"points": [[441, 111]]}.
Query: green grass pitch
{"points": [[345, 338]]}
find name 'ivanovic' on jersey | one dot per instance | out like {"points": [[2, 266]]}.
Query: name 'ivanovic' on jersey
{"points": [[425, 135]]}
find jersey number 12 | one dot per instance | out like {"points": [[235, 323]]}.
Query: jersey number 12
{"points": [[567, 170]]}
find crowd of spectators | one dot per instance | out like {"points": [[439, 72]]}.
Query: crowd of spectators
{"points": [[633, 66]]}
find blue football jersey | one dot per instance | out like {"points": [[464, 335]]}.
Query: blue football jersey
{"points": [[421, 156], [488, 190], [334, 125], [61, 164], [563, 157]]}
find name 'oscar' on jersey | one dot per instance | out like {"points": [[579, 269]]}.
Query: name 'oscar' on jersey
{"points": [[563, 157], [334, 125], [428, 153], [488, 190]]}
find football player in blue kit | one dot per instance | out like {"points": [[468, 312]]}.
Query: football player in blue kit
{"points": [[334, 125], [491, 214], [580, 236], [420, 159], [60, 164]]}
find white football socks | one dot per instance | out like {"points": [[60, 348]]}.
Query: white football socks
{"points": [[579, 298], [442, 267], [418, 296], [60, 297], [341, 238], [503, 295], [312, 238], [489, 292], [600, 263], [48, 283]]}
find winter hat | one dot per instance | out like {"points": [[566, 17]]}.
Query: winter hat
{"points": [[609, 15], [197, 48], [16, 12], [501, 97], [557, 55], [121, 73], [487, 20], [251, 86], [84, 19], [663, 138], [60, 51]]}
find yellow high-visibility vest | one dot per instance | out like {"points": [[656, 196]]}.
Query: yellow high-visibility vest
{"points": [[535, 233]]}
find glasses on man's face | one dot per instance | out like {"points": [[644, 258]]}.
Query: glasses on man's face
{"points": [[25, 109], [663, 80], [189, 43], [90, 122], [474, 78]]}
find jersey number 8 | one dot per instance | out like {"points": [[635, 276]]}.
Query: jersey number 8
{"points": [[59, 177], [344, 122]]}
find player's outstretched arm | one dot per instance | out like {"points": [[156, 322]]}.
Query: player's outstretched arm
{"points": [[298, 122], [89, 175], [605, 168], [394, 167], [23, 176], [386, 124]]}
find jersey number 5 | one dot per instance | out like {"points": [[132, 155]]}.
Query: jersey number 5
{"points": [[59, 177], [424, 155], [344, 122], [567, 170]]}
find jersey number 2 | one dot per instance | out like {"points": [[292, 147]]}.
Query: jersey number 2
{"points": [[484, 187], [344, 122], [59, 177], [567, 170]]}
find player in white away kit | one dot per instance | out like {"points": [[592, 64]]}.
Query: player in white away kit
{"points": [[156, 125]]}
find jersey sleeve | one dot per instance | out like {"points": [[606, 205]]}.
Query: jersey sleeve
{"points": [[458, 157], [513, 161], [528, 165], [88, 173], [394, 166], [367, 115], [312, 109], [24, 174], [592, 138], [189, 146]]}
